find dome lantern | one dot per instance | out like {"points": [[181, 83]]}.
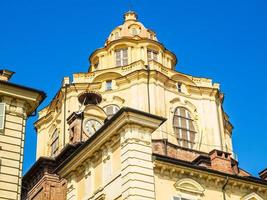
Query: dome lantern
{"points": [[130, 15]]}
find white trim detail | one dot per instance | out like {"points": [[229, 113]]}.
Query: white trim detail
{"points": [[252, 196], [2, 115]]}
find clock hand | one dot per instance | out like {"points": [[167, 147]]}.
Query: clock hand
{"points": [[93, 126]]}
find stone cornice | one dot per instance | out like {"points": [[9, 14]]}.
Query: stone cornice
{"points": [[31, 98], [172, 171], [121, 120]]}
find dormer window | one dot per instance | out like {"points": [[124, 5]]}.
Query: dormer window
{"points": [[121, 57], [152, 55]]}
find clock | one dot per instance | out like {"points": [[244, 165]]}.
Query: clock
{"points": [[91, 126]]}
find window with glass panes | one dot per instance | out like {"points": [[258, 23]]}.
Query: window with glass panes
{"points": [[54, 143], [109, 85], [184, 127], [2, 115], [121, 57], [179, 87], [111, 110], [152, 55]]}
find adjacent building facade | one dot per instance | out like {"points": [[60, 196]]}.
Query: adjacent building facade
{"points": [[134, 128], [17, 103]]}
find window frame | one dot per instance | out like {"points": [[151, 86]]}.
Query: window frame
{"points": [[179, 87], [180, 197], [108, 85], [152, 55], [178, 125], [2, 116], [121, 57], [114, 110], [54, 143]]}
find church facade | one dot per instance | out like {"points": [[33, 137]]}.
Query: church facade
{"points": [[132, 127]]}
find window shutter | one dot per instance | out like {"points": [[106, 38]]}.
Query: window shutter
{"points": [[2, 115]]}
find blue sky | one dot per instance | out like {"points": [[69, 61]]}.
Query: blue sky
{"points": [[43, 41]]}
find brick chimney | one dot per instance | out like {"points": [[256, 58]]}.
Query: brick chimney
{"points": [[222, 161], [263, 174], [75, 121], [5, 74]]}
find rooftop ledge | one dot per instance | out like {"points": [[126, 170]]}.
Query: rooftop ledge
{"points": [[125, 118]]}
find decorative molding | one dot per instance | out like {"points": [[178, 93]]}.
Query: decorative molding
{"points": [[189, 186], [252, 196]]}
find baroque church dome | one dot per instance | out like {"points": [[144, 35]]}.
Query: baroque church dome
{"points": [[131, 28], [129, 43]]}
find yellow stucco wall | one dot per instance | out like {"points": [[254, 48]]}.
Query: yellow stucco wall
{"points": [[17, 102]]}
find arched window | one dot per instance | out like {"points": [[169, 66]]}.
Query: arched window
{"points": [[54, 143], [111, 110], [183, 127]]}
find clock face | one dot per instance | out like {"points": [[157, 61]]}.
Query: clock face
{"points": [[91, 126]]}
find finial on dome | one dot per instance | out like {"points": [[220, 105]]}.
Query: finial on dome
{"points": [[130, 15]]}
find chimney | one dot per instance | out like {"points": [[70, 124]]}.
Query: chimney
{"points": [[222, 161], [75, 121], [263, 174], [5, 74]]}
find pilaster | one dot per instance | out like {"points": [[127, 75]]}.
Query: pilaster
{"points": [[136, 163]]}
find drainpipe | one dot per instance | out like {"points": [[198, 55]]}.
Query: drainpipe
{"points": [[81, 127], [64, 128], [148, 92], [224, 186]]}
